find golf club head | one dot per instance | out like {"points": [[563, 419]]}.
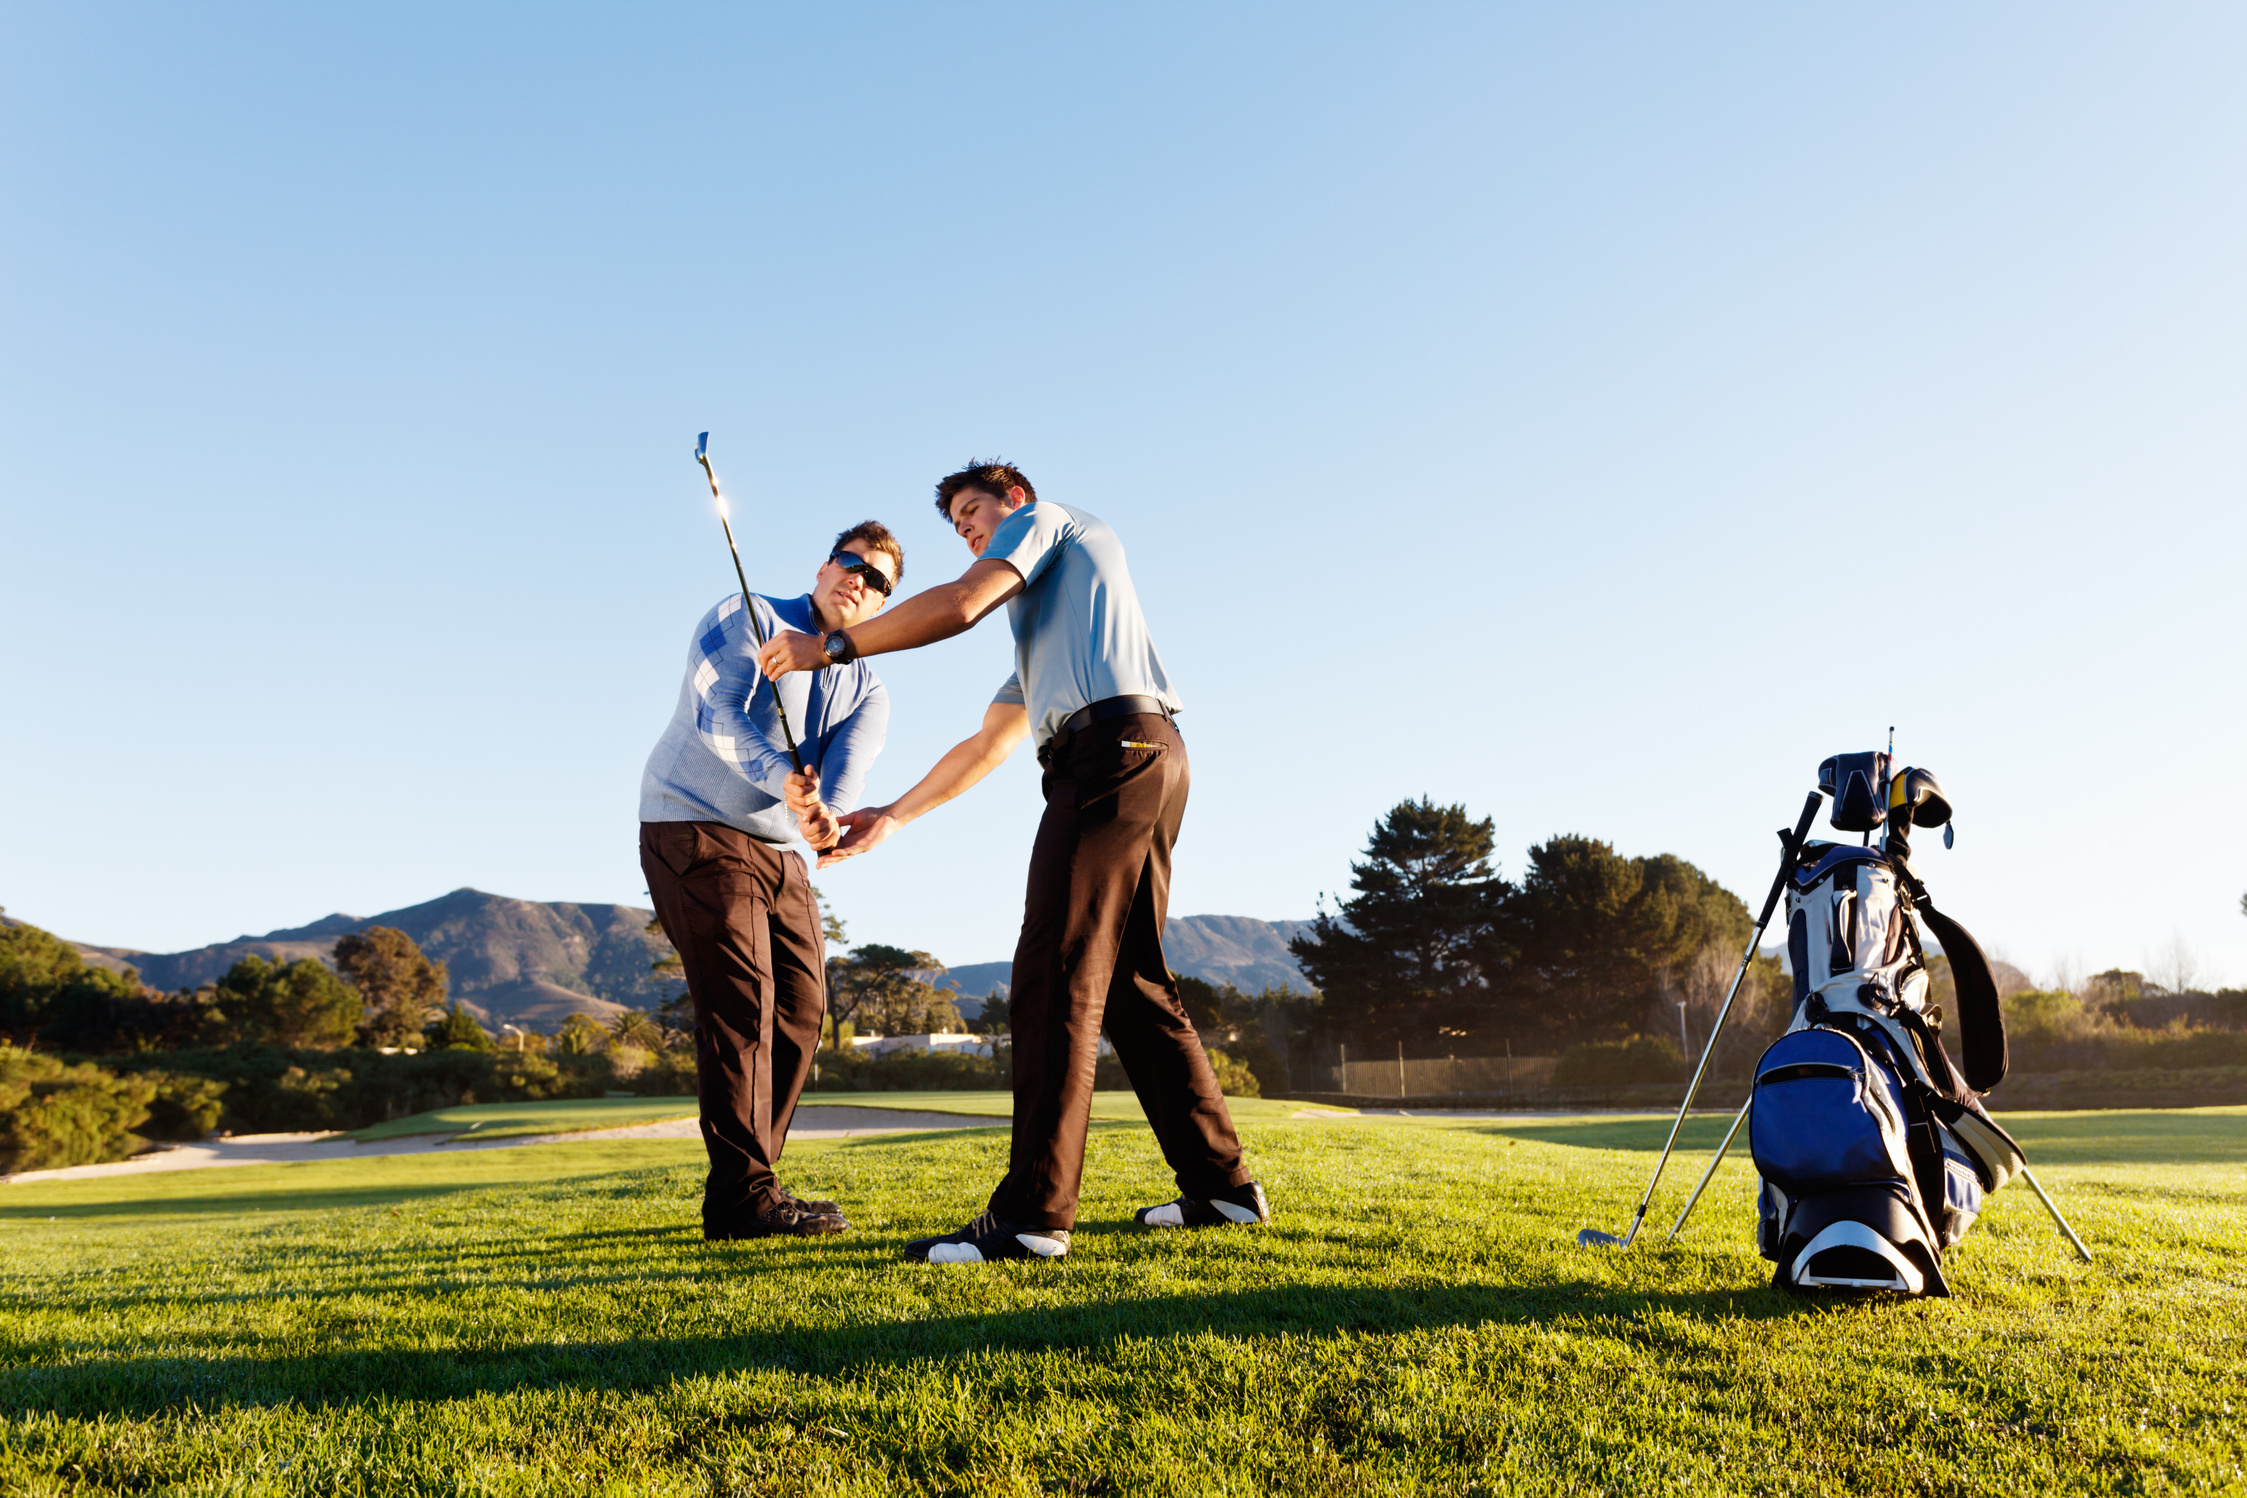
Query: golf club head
{"points": [[1594, 1238], [702, 448]]}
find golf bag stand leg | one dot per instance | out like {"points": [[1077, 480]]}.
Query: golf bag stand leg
{"points": [[1592, 1237], [2061, 1222], [1707, 1175]]}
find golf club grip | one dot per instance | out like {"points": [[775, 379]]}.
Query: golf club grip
{"points": [[1786, 863]]}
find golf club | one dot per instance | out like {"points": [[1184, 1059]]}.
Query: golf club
{"points": [[756, 630], [1791, 842], [1707, 1175], [2060, 1221]]}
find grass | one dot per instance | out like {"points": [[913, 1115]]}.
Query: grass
{"points": [[575, 1115], [516, 1120], [1107, 1107], [1418, 1320]]}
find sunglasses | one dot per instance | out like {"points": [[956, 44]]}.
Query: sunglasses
{"points": [[857, 566]]}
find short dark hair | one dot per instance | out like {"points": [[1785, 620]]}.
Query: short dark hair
{"points": [[993, 478], [877, 536]]}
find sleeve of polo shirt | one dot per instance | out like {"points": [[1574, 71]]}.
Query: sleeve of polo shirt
{"points": [[851, 749], [1011, 692], [726, 680], [1029, 539]]}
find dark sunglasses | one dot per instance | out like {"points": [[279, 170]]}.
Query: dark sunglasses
{"points": [[864, 570]]}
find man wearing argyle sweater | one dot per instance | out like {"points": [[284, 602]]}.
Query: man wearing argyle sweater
{"points": [[728, 833]]}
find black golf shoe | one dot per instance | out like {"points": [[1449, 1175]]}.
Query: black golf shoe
{"points": [[827, 1207], [1242, 1206], [987, 1238], [784, 1218]]}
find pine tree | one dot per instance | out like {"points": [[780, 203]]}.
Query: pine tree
{"points": [[1410, 957]]}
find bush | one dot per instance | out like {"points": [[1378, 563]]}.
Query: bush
{"points": [[1234, 1078], [913, 1071], [184, 1109], [266, 1090], [1609, 1063], [53, 1114], [456, 1030]]}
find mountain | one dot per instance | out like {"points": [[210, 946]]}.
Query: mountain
{"points": [[527, 962], [1248, 953], [534, 963]]}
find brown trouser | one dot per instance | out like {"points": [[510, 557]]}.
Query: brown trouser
{"points": [[1092, 946], [742, 915]]}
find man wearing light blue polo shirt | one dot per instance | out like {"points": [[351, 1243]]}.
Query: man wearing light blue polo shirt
{"points": [[1089, 686]]}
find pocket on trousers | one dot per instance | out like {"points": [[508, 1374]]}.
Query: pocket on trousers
{"points": [[1104, 770], [675, 845]]}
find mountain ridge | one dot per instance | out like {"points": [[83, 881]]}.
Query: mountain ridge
{"points": [[534, 963]]}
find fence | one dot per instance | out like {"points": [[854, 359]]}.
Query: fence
{"points": [[1447, 1076]]}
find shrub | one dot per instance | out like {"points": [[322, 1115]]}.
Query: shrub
{"points": [[1234, 1078], [456, 1030], [184, 1108], [264, 1089], [1609, 1063], [53, 1114], [913, 1071]]}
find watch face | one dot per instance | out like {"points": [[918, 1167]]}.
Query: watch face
{"points": [[835, 646]]}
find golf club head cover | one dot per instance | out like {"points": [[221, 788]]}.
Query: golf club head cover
{"points": [[1858, 784]]}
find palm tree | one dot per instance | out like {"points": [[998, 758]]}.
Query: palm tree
{"points": [[579, 1036], [636, 1027]]}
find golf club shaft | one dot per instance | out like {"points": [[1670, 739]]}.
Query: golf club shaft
{"points": [[756, 630], [2062, 1222], [1714, 1161], [1792, 841]]}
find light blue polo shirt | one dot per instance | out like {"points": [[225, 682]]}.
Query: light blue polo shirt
{"points": [[1079, 637]]}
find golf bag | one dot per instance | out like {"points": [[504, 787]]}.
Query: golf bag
{"points": [[1874, 1149]]}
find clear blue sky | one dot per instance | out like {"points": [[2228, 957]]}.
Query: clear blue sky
{"points": [[1593, 414]]}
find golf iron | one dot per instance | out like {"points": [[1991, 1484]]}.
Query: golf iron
{"points": [[1792, 842], [756, 630]]}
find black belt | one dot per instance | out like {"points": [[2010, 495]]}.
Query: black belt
{"points": [[1100, 712]]}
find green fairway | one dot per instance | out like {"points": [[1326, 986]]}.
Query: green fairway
{"points": [[1108, 1107], [510, 1120], [571, 1115], [1417, 1320]]}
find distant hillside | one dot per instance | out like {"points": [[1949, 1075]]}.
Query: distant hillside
{"points": [[1248, 953], [521, 961], [533, 963]]}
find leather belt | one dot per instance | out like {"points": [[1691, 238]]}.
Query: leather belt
{"points": [[1100, 712]]}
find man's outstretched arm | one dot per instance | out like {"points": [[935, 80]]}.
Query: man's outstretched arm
{"points": [[935, 614], [1005, 724]]}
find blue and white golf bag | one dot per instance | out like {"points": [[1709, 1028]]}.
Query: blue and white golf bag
{"points": [[1875, 1151]]}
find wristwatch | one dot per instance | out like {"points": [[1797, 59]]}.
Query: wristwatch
{"points": [[838, 649]]}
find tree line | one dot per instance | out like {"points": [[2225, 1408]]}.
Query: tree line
{"points": [[1436, 951], [383, 991], [1436, 946]]}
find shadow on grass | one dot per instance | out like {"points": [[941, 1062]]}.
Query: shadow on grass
{"points": [[2173, 1136], [279, 1200], [151, 1385]]}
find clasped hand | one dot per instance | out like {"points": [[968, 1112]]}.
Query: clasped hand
{"points": [[835, 838], [818, 825]]}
